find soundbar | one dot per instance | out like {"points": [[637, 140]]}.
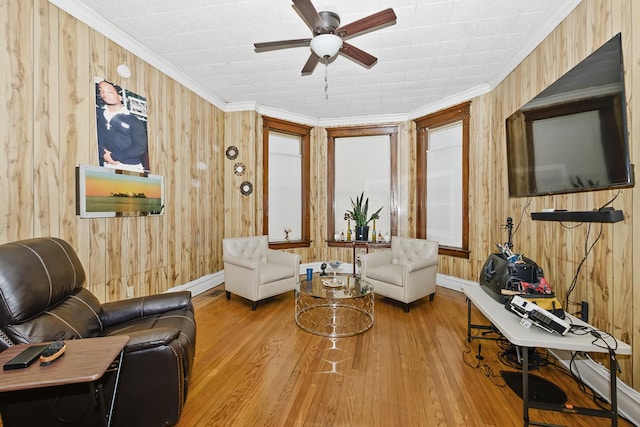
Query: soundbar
{"points": [[603, 215]]}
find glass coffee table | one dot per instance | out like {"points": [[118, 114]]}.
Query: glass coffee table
{"points": [[334, 306]]}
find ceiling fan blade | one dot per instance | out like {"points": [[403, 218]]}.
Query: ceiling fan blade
{"points": [[310, 65], [371, 22], [282, 44], [309, 14], [358, 55]]}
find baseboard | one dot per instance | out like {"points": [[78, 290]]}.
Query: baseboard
{"points": [[596, 376], [201, 285], [453, 283]]}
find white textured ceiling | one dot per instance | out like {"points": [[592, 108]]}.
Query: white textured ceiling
{"points": [[439, 51]]}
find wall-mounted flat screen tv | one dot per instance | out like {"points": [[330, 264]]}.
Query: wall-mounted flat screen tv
{"points": [[107, 192], [573, 136]]}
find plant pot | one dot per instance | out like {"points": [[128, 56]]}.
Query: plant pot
{"points": [[362, 233]]}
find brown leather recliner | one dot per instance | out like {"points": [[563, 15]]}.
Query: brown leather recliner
{"points": [[42, 298]]}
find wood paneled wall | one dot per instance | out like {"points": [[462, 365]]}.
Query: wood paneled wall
{"points": [[48, 61], [47, 125], [607, 278]]}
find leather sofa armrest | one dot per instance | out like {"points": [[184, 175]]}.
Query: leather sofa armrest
{"points": [[283, 258], [422, 263], [375, 259], [134, 308], [150, 338], [240, 262]]}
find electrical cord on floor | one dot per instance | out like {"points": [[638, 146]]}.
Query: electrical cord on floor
{"points": [[510, 356], [582, 386], [599, 340], [480, 365]]}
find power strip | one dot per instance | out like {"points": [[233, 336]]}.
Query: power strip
{"points": [[532, 314]]}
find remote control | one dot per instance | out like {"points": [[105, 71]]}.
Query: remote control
{"points": [[52, 353]]}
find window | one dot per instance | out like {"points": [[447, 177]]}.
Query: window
{"points": [[362, 159], [442, 179], [286, 183]]}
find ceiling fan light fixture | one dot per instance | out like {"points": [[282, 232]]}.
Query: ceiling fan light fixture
{"points": [[326, 45]]}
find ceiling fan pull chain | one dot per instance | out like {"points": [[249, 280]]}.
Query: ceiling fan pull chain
{"points": [[326, 79]]}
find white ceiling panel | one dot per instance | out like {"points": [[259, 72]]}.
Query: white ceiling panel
{"points": [[437, 49]]}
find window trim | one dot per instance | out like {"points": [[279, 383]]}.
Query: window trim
{"points": [[343, 132], [304, 133], [457, 113]]}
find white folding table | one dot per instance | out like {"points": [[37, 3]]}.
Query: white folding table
{"points": [[508, 324]]}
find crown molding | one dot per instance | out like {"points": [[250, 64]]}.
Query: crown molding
{"points": [[447, 102], [534, 41], [87, 16]]}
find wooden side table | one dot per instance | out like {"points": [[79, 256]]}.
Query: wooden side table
{"points": [[84, 361]]}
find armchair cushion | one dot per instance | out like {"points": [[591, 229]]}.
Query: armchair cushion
{"points": [[78, 316], [390, 273], [29, 284], [271, 272], [122, 311]]}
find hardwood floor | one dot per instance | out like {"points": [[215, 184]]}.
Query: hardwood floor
{"points": [[257, 368]]}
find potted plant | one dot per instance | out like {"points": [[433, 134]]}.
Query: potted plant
{"points": [[359, 214]]}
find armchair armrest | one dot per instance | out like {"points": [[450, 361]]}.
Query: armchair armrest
{"points": [[240, 262], [283, 258], [422, 263], [150, 338], [125, 310]]}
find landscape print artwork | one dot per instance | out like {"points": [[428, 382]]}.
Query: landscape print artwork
{"points": [[109, 192]]}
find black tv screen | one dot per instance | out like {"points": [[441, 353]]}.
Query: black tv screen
{"points": [[573, 136]]}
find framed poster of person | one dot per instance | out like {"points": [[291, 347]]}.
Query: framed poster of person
{"points": [[121, 124]]}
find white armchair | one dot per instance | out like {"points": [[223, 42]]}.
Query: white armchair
{"points": [[406, 272], [255, 272]]}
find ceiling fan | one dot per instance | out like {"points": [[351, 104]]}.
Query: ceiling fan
{"points": [[329, 37]]}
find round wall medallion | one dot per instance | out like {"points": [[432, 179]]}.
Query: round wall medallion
{"points": [[246, 188], [232, 152], [239, 169]]}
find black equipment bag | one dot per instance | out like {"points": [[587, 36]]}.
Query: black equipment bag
{"points": [[498, 274]]}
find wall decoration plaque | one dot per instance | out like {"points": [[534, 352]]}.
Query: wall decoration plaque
{"points": [[246, 188], [239, 169], [232, 152]]}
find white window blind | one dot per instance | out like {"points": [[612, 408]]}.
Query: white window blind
{"points": [[444, 185], [285, 187]]}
